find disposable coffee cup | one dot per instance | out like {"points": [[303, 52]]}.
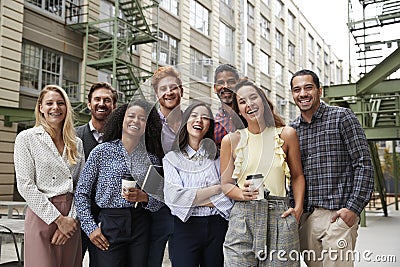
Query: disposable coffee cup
{"points": [[128, 182], [257, 180]]}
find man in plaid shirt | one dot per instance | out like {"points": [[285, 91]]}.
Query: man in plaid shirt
{"points": [[338, 171], [226, 77]]}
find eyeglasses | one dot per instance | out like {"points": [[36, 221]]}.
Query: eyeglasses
{"points": [[230, 82]]}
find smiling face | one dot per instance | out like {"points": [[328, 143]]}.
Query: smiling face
{"points": [[250, 104], [101, 104], [305, 94], [225, 83], [169, 92], [198, 123], [53, 108], [134, 123]]}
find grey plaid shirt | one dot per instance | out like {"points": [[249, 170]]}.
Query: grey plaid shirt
{"points": [[336, 160]]}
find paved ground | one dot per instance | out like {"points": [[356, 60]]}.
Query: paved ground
{"points": [[376, 242]]}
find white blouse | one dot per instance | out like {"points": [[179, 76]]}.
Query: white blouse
{"points": [[42, 173], [183, 177]]}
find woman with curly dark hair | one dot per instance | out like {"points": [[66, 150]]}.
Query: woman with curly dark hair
{"points": [[122, 234]]}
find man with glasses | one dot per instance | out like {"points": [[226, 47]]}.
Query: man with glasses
{"points": [[225, 79]]}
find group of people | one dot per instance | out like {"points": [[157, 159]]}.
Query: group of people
{"points": [[316, 177]]}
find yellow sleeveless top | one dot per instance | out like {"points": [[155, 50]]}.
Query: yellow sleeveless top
{"points": [[262, 153]]}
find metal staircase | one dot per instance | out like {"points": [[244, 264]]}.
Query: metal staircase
{"points": [[367, 32], [110, 42], [374, 98]]}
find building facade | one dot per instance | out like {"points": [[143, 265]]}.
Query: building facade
{"points": [[74, 43]]}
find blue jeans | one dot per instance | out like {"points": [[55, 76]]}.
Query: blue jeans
{"points": [[162, 227]]}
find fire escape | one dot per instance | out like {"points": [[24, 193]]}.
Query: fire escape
{"points": [[375, 97], [110, 42]]}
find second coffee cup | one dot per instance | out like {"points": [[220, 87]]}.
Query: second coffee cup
{"points": [[258, 183]]}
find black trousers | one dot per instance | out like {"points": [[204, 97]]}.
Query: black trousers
{"points": [[128, 231], [87, 245], [198, 242], [162, 228]]}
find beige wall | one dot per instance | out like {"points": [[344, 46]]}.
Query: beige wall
{"points": [[11, 13]]}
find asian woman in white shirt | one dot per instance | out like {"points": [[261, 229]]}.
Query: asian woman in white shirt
{"points": [[192, 191]]}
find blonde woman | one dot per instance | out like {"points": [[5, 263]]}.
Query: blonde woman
{"points": [[48, 159]]}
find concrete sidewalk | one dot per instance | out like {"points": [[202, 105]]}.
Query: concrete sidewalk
{"points": [[380, 239]]}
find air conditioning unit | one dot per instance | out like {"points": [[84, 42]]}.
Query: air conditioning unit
{"points": [[208, 62], [283, 102], [161, 35]]}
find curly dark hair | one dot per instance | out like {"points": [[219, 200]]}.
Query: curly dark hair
{"points": [[152, 135], [182, 138], [276, 120]]}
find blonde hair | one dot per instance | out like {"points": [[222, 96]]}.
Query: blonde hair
{"points": [[68, 131]]}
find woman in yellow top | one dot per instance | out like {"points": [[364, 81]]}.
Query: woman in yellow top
{"points": [[261, 232]]}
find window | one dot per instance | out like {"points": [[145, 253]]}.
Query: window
{"points": [[289, 76], [339, 75], [319, 52], [106, 76], [168, 49], [40, 67], [279, 73], [265, 27], [291, 51], [51, 6], [228, 2], [279, 9], [291, 19], [59, 8], [250, 14], [226, 46], [302, 38], [310, 43], [310, 65], [292, 112], [326, 58], [280, 105], [279, 40], [107, 12], [201, 65], [249, 52], [264, 63], [301, 46], [199, 17], [266, 91], [171, 6]]}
